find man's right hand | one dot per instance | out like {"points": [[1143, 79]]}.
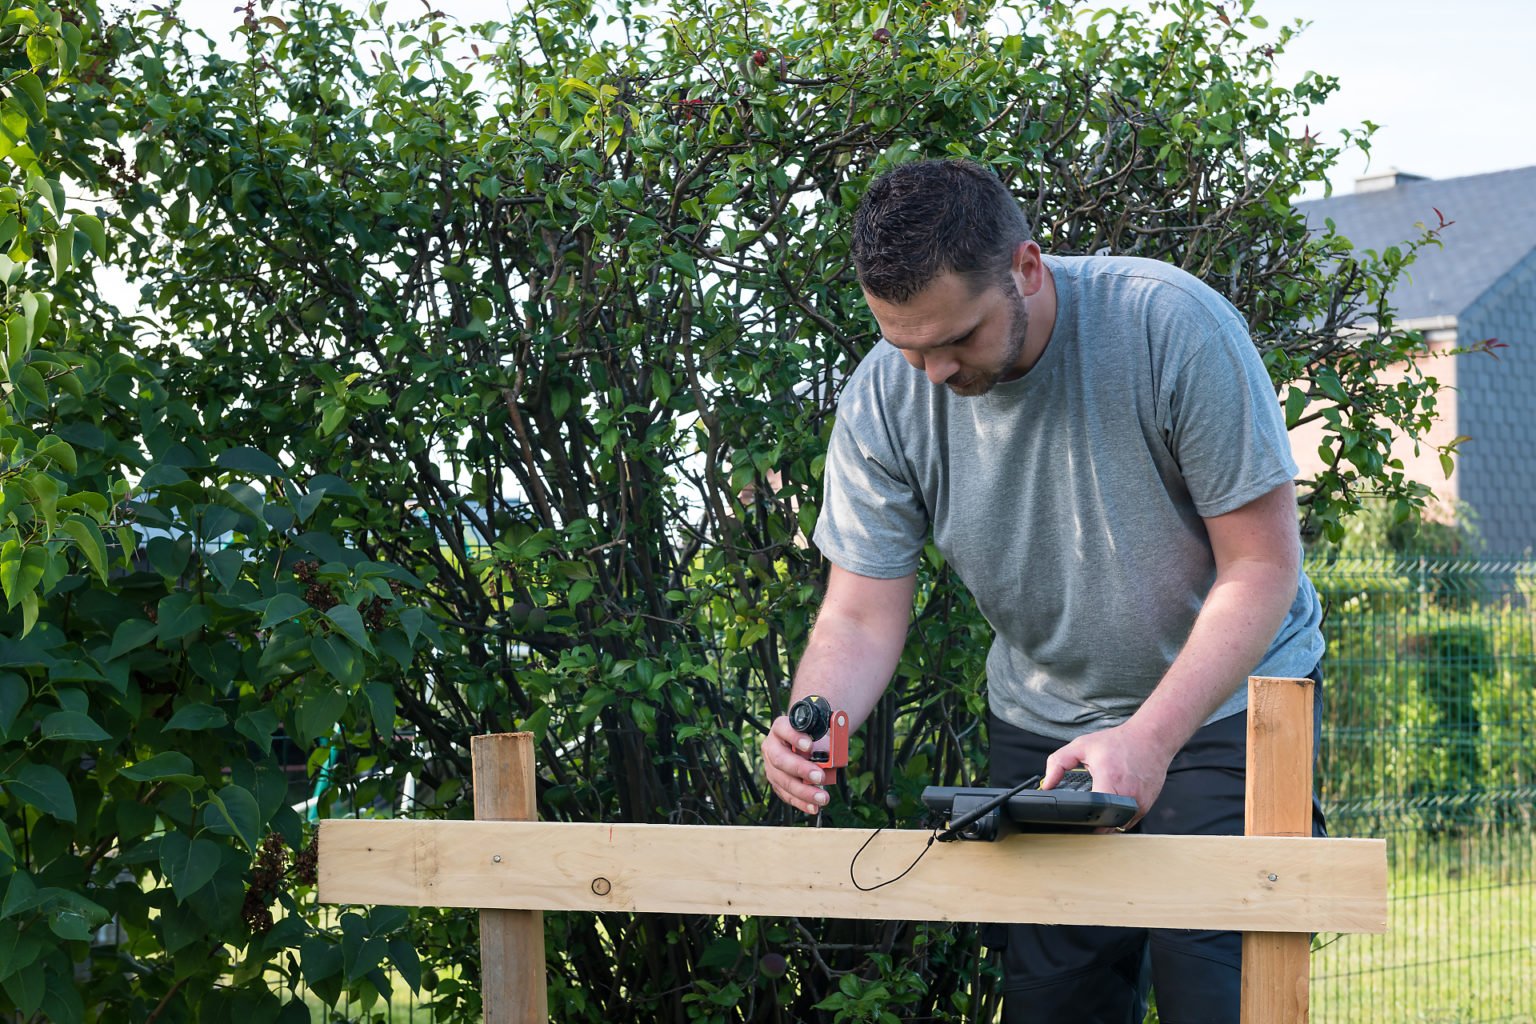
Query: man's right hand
{"points": [[792, 774]]}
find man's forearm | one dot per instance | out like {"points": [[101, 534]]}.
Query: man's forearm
{"points": [[1238, 621], [852, 652], [849, 664]]}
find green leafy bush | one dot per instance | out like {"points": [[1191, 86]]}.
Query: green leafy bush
{"points": [[482, 382]]}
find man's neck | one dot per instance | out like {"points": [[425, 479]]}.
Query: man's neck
{"points": [[1042, 321]]}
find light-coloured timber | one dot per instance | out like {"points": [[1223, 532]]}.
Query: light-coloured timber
{"points": [[511, 941], [1141, 881], [1278, 802]]}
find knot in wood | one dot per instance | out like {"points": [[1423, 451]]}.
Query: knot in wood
{"points": [[602, 886]]}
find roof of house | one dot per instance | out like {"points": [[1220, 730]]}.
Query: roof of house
{"points": [[1494, 228]]}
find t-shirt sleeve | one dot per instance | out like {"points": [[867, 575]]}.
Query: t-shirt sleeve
{"points": [[1224, 423], [872, 520]]}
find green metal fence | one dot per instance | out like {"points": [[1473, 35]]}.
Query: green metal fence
{"points": [[1429, 741]]}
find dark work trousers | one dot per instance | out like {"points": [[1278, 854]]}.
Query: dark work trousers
{"points": [[1073, 974]]}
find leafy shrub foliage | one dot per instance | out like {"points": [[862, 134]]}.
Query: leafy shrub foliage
{"points": [[481, 382]]}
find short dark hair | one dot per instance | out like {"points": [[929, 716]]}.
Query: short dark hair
{"points": [[922, 219]]}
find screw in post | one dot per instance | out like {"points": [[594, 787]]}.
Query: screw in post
{"points": [[1274, 878], [497, 858]]}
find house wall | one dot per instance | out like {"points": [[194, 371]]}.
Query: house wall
{"points": [[1498, 412]]}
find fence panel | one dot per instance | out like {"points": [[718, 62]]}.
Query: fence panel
{"points": [[1429, 718]]}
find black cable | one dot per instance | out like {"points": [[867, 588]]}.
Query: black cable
{"points": [[888, 881], [949, 833]]}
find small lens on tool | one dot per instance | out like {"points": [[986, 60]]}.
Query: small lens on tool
{"points": [[812, 716]]}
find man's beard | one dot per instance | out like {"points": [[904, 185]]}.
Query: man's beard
{"points": [[981, 382]]}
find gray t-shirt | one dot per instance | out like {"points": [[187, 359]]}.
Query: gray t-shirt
{"points": [[1070, 500]]}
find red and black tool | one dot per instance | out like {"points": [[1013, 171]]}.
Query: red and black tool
{"points": [[813, 716]]}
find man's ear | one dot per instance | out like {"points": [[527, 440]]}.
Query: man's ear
{"points": [[1028, 268]]}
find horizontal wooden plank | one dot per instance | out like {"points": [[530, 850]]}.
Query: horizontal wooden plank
{"points": [[1225, 882]]}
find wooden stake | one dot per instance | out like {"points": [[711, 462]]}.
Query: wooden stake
{"points": [[1279, 803], [511, 941]]}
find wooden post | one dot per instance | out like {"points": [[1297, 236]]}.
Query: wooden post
{"points": [[511, 941], [1279, 803]]}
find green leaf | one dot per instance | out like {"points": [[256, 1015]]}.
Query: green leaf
{"points": [[73, 725], [317, 716], [30, 383], [247, 498], [37, 307], [32, 88], [350, 623], [13, 949], [190, 864], [130, 635], [335, 412], [61, 251], [62, 1002], [250, 460], [14, 692], [39, 50], [18, 338], [45, 788], [20, 895], [661, 385], [168, 764], [58, 451], [281, 608], [724, 952], [403, 955], [169, 557], [232, 811], [361, 952], [92, 228], [319, 959], [1295, 405], [411, 620], [10, 570], [381, 706], [196, 718], [87, 535], [258, 727], [179, 615], [226, 566], [25, 988], [340, 659], [307, 505], [28, 613]]}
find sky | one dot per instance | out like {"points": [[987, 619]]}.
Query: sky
{"points": [[1450, 82]]}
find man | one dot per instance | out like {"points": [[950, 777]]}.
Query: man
{"points": [[1096, 449]]}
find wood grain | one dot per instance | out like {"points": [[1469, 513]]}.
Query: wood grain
{"points": [[1162, 881], [1276, 965], [513, 987]]}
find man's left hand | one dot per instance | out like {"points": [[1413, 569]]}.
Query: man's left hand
{"points": [[1121, 762]]}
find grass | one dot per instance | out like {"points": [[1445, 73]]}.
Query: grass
{"points": [[1460, 945]]}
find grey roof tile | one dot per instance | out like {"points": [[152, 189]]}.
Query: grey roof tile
{"points": [[1495, 227]]}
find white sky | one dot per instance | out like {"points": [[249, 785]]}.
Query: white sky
{"points": [[1451, 82]]}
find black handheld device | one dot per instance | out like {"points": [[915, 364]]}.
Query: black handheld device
{"points": [[985, 814]]}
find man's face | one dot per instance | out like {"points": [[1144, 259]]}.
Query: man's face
{"points": [[966, 342]]}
